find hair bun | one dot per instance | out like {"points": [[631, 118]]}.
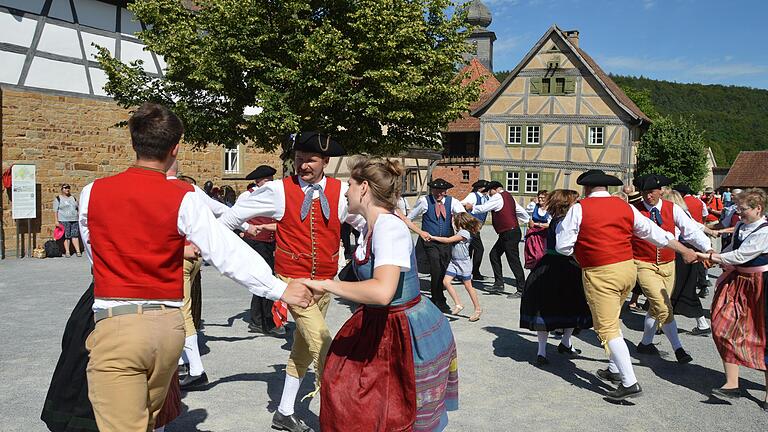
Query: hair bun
{"points": [[394, 167]]}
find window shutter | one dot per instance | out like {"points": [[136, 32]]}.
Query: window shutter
{"points": [[546, 180], [535, 85], [499, 176], [570, 85]]}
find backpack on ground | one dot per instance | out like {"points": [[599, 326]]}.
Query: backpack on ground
{"points": [[52, 249]]}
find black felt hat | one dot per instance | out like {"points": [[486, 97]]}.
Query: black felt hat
{"points": [[684, 189], [493, 185], [598, 178], [261, 172], [480, 184], [439, 184], [652, 181], [317, 142]]}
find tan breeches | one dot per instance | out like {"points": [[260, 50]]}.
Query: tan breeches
{"points": [[191, 268], [657, 282], [132, 361], [606, 288]]}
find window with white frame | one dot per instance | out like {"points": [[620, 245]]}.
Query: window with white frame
{"points": [[515, 135], [232, 160], [533, 135], [531, 182], [513, 181], [596, 135]]}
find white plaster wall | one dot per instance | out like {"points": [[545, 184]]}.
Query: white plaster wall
{"points": [[11, 66], [131, 51], [62, 10], [104, 41], [60, 40], [96, 14], [16, 30], [34, 6], [98, 80], [57, 75], [129, 25]]}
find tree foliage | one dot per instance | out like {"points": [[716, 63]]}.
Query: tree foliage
{"points": [[675, 148], [345, 67], [642, 98], [733, 117]]}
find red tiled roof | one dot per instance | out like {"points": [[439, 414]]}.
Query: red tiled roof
{"points": [[474, 71], [748, 170]]}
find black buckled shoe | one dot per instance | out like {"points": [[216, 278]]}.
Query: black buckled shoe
{"points": [[724, 393], [191, 382], [541, 361], [649, 349], [496, 288], [478, 277], [622, 392], [290, 423], [608, 376], [183, 370], [704, 292], [515, 295], [682, 356], [571, 351], [700, 332]]}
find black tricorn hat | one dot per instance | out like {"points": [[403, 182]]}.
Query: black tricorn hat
{"points": [[317, 142], [634, 197], [652, 181], [439, 184], [493, 185], [598, 178], [261, 172], [480, 184], [684, 189]]}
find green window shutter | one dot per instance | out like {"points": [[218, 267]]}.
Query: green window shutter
{"points": [[546, 180], [535, 85], [499, 176], [570, 85]]}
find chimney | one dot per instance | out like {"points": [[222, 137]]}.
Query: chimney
{"points": [[573, 37]]}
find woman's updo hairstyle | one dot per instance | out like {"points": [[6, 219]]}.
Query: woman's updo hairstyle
{"points": [[384, 177]]}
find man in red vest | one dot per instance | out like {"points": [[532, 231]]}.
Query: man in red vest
{"points": [[137, 270], [506, 213], [599, 230], [309, 208], [656, 265], [262, 241]]}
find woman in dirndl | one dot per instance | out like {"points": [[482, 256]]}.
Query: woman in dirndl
{"points": [[554, 295], [739, 306], [536, 236], [392, 366]]}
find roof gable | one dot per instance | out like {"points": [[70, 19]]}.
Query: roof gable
{"points": [[748, 170], [473, 71], [611, 88]]}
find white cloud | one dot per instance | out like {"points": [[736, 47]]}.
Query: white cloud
{"points": [[649, 4], [680, 68]]}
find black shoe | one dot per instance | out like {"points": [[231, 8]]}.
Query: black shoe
{"points": [[278, 332], [607, 375], [723, 393], [516, 294], [478, 277], [496, 288], [541, 361], [765, 406], [571, 351], [682, 356], [622, 392], [704, 292], [290, 423], [444, 308], [700, 332], [192, 381], [183, 370], [253, 328], [647, 349]]}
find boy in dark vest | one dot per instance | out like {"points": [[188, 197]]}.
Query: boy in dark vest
{"points": [[137, 269]]}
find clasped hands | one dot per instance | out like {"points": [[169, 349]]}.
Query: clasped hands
{"points": [[304, 292]]}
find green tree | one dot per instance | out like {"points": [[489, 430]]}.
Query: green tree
{"points": [[641, 98], [674, 148], [345, 67]]}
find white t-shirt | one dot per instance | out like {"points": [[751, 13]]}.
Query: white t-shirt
{"points": [[392, 243]]}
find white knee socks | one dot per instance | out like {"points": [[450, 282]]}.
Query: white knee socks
{"points": [[290, 391], [649, 330], [160, 429], [620, 358], [670, 331], [566, 340], [192, 354], [702, 323], [543, 335]]}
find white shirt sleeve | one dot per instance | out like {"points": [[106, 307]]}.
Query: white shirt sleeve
{"points": [[753, 246], [470, 199], [457, 207], [704, 211], [419, 209], [645, 229], [267, 201], [85, 196], [567, 232], [690, 231], [522, 213], [494, 203], [392, 243], [225, 251]]}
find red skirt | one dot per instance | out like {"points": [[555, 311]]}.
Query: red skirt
{"points": [[739, 317], [369, 381], [172, 405]]}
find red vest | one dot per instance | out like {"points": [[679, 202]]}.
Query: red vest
{"points": [[695, 207], [647, 251], [264, 236], [308, 248], [137, 249], [605, 233], [506, 218]]}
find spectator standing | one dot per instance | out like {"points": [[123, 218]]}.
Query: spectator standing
{"points": [[65, 209], [727, 197]]}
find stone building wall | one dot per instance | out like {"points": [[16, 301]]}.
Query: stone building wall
{"points": [[74, 140]]}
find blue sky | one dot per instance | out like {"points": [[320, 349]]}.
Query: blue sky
{"points": [[703, 41]]}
